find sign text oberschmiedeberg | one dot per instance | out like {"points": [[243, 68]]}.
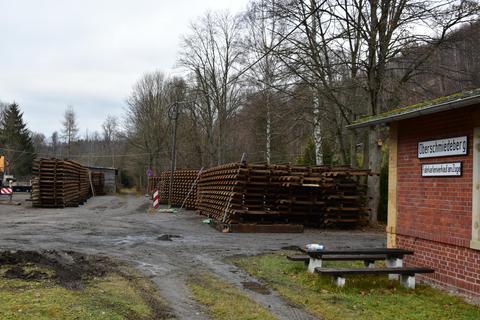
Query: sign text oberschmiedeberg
{"points": [[443, 147]]}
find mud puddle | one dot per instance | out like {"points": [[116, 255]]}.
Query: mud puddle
{"points": [[257, 287], [69, 269], [168, 237]]}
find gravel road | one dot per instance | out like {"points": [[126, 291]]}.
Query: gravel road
{"points": [[121, 227]]}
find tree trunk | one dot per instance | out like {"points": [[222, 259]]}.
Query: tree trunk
{"points": [[221, 142], [317, 131], [268, 132], [211, 149]]}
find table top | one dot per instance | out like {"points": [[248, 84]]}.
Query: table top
{"points": [[384, 251]]}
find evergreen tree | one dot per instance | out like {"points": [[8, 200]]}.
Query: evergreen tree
{"points": [[16, 142]]}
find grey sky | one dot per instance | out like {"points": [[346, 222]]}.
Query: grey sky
{"points": [[88, 53]]}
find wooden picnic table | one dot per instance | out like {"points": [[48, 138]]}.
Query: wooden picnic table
{"points": [[393, 260], [393, 256], [388, 252]]}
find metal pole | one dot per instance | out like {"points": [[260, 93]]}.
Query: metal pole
{"points": [[174, 152]]}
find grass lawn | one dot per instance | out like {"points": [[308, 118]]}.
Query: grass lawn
{"points": [[363, 297], [223, 301], [117, 295]]}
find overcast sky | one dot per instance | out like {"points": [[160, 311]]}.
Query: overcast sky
{"points": [[88, 53]]}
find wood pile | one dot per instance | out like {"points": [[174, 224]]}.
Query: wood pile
{"points": [[183, 183], [98, 183], [309, 195], [84, 185], [59, 183], [220, 192]]}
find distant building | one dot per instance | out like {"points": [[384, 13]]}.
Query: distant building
{"points": [[434, 187], [111, 177]]}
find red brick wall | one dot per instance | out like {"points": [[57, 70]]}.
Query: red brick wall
{"points": [[434, 215], [455, 267]]}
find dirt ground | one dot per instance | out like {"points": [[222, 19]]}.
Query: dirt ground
{"points": [[165, 247]]}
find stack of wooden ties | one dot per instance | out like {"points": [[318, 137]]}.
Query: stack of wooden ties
{"points": [[184, 189], [283, 194], [59, 183]]}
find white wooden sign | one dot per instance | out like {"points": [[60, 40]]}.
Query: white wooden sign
{"points": [[443, 147], [453, 169]]}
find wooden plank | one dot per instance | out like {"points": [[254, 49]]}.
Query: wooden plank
{"points": [[392, 185]]}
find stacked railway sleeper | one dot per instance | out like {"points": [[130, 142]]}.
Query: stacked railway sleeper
{"points": [[272, 194], [163, 187], [220, 192], [59, 183], [184, 188], [98, 183], [320, 195], [84, 185]]}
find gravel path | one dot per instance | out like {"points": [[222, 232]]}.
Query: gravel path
{"points": [[120, 227]]}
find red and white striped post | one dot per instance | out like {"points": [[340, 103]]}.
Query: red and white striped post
{"points": [[155, 199], [7, 192]]}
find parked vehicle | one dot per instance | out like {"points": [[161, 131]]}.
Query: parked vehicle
{"points": [[17, 186]]}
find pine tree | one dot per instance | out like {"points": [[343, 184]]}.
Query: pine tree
{"points": [[16, 142]]}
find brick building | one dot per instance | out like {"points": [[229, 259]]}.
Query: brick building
{"points": [[434, 187]]}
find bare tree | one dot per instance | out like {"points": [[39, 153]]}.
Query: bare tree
{"points": [[55, 143], [110, 128], [3, 107], [39, 142], [211, 53], [344, 49], [265, 76], [147, 117], [390, 30], [110, 133], [70, 129]]}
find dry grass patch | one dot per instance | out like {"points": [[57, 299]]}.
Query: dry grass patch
{"points": [[44, 286]]}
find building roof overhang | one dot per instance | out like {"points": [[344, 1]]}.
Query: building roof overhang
{"points": [[454, 101]]}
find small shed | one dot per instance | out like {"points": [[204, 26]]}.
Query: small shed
{"points": [[434, 187], [111, 175]]}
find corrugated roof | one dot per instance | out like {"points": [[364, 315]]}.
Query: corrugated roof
{"points": [[454, 101]]}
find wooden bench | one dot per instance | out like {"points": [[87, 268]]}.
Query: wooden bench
{"points": [[368, 260], [407, 274], [393, 256]]}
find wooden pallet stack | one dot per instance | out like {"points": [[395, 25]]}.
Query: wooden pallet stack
{"points": [[270, 194], [326, 195], [346, 200], [58, 183], [298, 193], [184, 188], [98, 183]]}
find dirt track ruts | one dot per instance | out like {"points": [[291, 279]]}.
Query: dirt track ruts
{"points": [[120, 227]]}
